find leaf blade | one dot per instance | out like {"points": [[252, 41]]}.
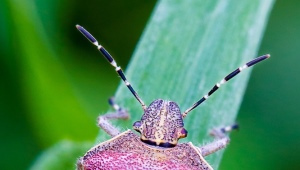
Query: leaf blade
{"points": [[180, 59]]}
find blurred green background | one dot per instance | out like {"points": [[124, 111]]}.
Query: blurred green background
{"points": [[54, 85]]}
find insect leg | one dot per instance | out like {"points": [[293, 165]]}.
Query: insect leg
{"points": [[120, 113], [111, 61], [222, 140], [223, 81], [103, 120]]}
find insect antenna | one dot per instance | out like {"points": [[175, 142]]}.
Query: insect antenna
{"points": [[224, 80], [111, 61]]}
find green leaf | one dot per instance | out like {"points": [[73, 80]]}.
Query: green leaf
{"points": [[46, 89], [186, 48], [63, 155]]}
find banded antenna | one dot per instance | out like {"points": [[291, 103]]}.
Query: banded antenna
{"points": [[224, 80], [111, 60]]}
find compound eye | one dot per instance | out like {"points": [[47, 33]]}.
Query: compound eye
{"points": [[182, 133], [137, 126]]}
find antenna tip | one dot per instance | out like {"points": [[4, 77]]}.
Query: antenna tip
{"points": [[78, 26], [268, 55]]}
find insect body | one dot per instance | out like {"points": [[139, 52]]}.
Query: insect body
{"points": [[160, 128]]}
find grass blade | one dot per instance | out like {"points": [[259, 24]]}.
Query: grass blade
{"points": [[186, 48]]}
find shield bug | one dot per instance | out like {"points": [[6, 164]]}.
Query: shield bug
{"points": [[160, 128]]}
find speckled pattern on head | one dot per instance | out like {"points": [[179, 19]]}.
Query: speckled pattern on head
{"points": [[161, 124], [126, 151]]}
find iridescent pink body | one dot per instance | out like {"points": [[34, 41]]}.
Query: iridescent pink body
{"points": [[127, 151]]}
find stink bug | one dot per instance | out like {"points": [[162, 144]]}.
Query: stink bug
{"points": [[160, 128]]}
